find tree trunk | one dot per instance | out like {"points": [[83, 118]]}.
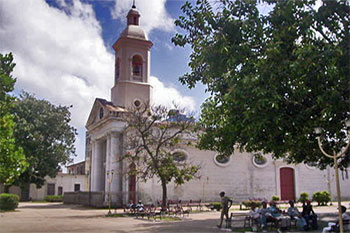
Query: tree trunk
{"points": [[164, 197], [7, 188], [25, 192]]}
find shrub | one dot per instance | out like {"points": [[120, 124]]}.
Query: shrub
{"points": [[216, 205], [321, 197], [249, 203], [275, 198], [8, 201], [54, 198], [303, 197]]}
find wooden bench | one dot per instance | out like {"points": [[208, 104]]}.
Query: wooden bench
{"points": [[346, 225]]}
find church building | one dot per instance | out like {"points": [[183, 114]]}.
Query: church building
{"points": [[242, 176]]}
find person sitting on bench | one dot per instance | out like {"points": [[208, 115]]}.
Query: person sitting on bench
{"points": [[334, 227], [294, 214], [309, 214]]}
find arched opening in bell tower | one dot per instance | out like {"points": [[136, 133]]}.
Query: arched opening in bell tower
{"points": [[117, 69], [137, 67]]}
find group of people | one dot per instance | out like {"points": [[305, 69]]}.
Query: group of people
{"points": [[282, 219], [139, 207]]}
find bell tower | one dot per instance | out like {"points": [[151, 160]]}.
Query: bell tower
{"points": [[132, 64]]}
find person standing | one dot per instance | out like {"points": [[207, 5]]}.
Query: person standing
{"points": [[226, 203]]}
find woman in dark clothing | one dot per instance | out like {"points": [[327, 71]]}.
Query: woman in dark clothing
{"points": [[309, 214]]}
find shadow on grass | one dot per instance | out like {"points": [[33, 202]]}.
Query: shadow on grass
{"points": [[53, 205]]}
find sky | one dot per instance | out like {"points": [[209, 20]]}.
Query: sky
{"points": [[63, 52]]}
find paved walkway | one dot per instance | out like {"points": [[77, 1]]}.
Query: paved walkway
{"points": [[53, 217]]}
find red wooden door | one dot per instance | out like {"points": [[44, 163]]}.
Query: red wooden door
{"points": [[287, 183]]}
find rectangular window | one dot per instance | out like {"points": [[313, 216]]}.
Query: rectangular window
{"points": [[50, 189], [76, 187]]}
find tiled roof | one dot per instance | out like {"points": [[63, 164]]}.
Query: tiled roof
{"points": [[110, 106]]}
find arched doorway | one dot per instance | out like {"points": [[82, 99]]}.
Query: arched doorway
{"points": [[287, 183], [132, 183]]}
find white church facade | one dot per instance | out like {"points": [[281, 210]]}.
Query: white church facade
{"points": [[243, 176]]}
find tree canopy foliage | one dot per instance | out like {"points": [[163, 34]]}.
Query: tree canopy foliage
{"points": [[273, 77], [152, 134], [44, 133], [12, 160]]}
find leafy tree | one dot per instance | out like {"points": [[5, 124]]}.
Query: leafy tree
{"points": [[12, 160], [151, 135], [44, 133], [272, 77]]}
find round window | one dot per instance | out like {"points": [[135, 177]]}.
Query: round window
{"points": [[137, 103], [311, 165], [179, 156], [222, 160], [259, 160]]}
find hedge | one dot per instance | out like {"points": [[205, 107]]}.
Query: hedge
{"points": [[216, 205], [8, 201], [54, 198], [249, 203], [322, 197], [304, 196]]}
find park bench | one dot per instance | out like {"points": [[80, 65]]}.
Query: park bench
{"points": [[147, 210], [191, 204], [128, 210], [346, 225]]}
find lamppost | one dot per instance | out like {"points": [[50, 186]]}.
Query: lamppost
{"points": [[335, 157], [109, 179]]}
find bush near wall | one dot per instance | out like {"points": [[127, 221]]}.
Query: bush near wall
{"points": [[275, 198], [54, 198], [249, 203], [321, 197], [304, 196], [8, 201], [216, 205]]}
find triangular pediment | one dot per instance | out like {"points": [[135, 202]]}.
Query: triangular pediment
{"points": [[94, 113], [108, 108]]}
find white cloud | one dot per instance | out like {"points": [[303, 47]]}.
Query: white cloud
{"points": [[166, 96], [61, 56], [153, 14]]}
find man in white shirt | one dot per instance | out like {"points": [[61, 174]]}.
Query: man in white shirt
{"points": [[335, 226]]}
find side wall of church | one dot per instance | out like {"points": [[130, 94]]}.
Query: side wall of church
{"points": [[241, 179]]}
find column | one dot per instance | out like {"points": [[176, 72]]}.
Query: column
{"points": [[98, 165], [108, 167], [93, 167], [116, 165]]}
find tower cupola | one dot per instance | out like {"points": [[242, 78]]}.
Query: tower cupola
{"points": [[133, 16]]}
